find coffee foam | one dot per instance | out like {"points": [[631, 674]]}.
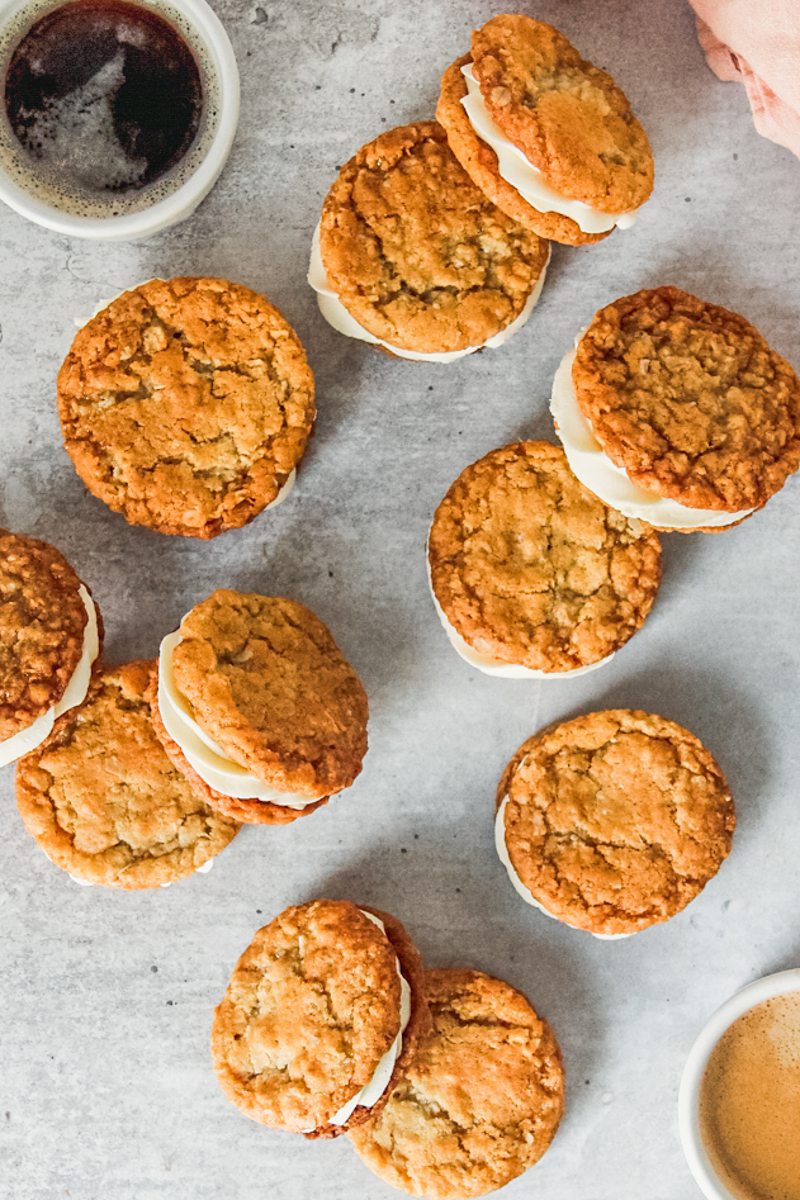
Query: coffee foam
{"points": [[750, 1102], [44, 185]]}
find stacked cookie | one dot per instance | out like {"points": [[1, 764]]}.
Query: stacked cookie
{"points": [[447, 1082], [411, 257], [677, 412], [187, 405], [532, 576], [258, 708], [548, 136], [613, 822]]}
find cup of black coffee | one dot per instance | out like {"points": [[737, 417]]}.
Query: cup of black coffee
{"points": [[116, 116]]}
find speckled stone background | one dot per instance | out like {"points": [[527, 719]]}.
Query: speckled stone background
{"points": [[106, 1089]]}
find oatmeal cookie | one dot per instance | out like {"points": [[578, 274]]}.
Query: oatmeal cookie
{"points": [[186, 404], [103, 801], [616, 820], [479, 1103]]}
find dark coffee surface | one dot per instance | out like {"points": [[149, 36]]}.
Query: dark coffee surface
{"points": [[106, 93]]}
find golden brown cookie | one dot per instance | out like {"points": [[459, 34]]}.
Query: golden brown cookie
{"points": [[262, 677], [480, 162], [614, 821], [417, 254], [186, 404], [689, 400], [479, 1103], [43, 633], [568, 117], [529, 568], [103, 801], [315, 1012]]}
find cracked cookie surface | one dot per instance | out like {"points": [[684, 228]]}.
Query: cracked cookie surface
{"points": [[480, 163], [267, 682], [689, 400], [616, 820], [312, 1006], [530, 568], [416, 253], [568, 117], [42, 625], [185, 405], [102, 799], [481, 1100]]}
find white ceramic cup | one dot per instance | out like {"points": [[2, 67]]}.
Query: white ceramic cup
{"points": [[697, 1156], [209, 32]]}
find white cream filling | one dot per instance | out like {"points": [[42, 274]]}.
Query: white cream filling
{"points": [[198, 870], [203, 754], [286, 489], [528, 180], [371, 1092], [340, 319], [519, 886], [592, 466], [29, 738], [496, 666]]}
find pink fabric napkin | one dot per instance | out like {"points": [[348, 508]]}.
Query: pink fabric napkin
{"points": [[757, 43]]}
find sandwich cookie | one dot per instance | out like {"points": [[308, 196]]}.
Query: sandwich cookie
{"points": [[613, 822], [677, 412], [186, 405], [547, 136], [410, 256], [480, 1101], [321, 1015], [51, 634], [532, 576], [103, 801], [258, 708]]}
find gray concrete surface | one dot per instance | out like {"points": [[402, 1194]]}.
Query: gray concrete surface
{"points": [[106, 1089]]}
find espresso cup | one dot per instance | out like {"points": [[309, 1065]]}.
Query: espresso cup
{"points": [[169, 200], [689, 1123]]}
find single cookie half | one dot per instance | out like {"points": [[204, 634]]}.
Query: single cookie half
{"points": [[479, 1103], [320, 1017], [614, 821], [549, 137], [258, 707], [51, 634], [531, 574], [676, 411], [104, 802], [186, 405], [412, 257]]}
